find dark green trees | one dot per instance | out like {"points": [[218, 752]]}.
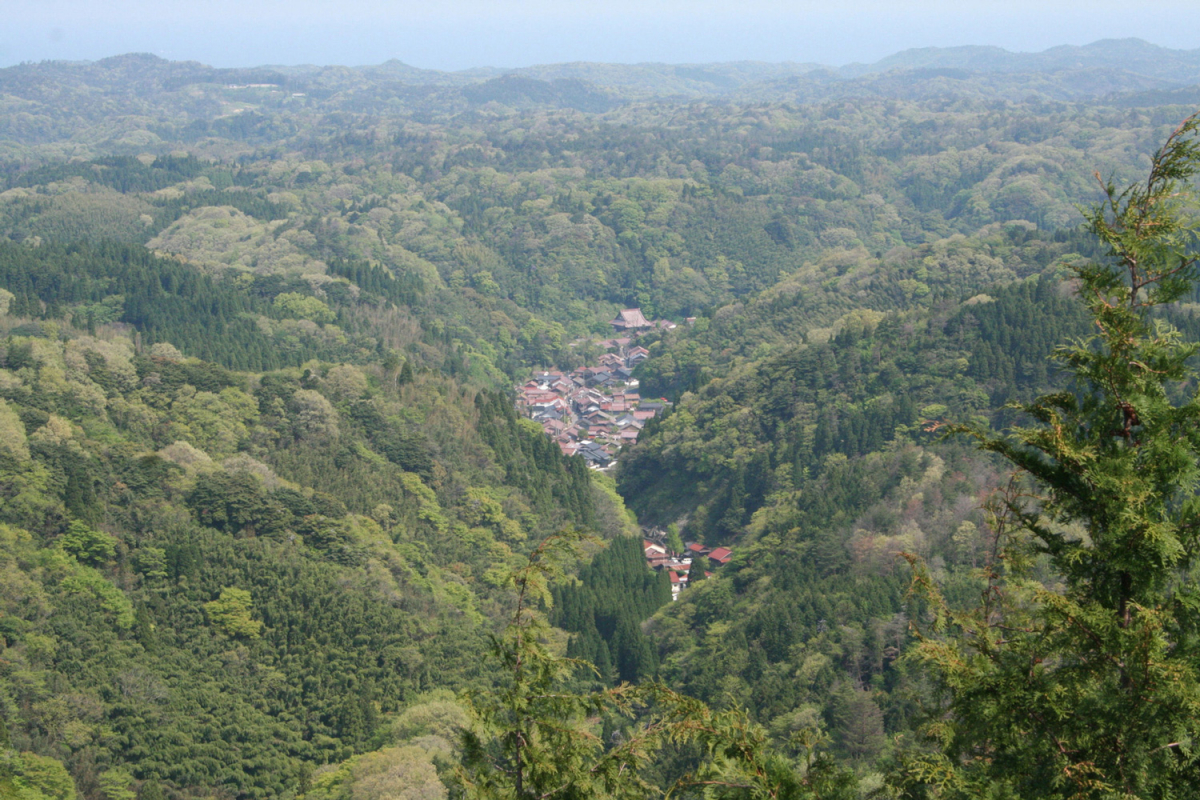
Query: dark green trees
{"points": [[615, 593], [1078, 675]]}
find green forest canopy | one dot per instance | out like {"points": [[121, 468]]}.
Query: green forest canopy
{"points": [[262, 480]]}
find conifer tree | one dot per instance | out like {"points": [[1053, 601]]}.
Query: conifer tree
{"points": [[1086, 683]]}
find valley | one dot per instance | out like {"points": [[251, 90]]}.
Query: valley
{"points": [[328, 395]]}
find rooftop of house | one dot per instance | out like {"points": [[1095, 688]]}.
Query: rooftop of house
{"points": [[720, 555], [631, 318]]}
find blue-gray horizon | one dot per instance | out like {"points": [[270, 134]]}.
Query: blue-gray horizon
{"points": [[508, 34]]}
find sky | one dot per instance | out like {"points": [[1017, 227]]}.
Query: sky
{"points": [[460, 34]]}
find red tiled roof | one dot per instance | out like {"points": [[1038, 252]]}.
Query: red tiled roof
{"points": [[720, 555]]}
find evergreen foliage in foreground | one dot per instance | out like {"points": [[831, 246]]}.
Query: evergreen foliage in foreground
{"points": [[530, 738], [1078, 675]]}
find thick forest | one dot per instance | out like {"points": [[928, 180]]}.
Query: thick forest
{"points": [[271, 524]]}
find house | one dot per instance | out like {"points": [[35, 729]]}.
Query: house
{"points": [[720, 555], [589, 397], [631, 319], [696, 549], [537, 398], [594, 454]]}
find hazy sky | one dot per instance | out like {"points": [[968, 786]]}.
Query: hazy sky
{"points": [[456, 34]]}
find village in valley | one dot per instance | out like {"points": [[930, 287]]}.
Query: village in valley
{"points": [[686, 566], [594, 411]]}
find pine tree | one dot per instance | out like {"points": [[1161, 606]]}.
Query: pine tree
{"points": [[1087, 684]]}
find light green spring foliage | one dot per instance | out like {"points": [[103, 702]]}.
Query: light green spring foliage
{"points": [[304, 307], [424, 738], [393, 773], [117, 784], [12, 433], [28, 776], [231, 612], [1086, 683], [89, 546]]}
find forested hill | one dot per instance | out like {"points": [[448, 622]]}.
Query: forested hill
{"points": [[531, 228], [215, 580], [871, 380]]}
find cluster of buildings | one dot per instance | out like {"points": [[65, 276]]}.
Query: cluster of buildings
{"points": [[679, 565], [596, 410]]}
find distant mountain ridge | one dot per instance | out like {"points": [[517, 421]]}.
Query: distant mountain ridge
{"points": [[1127, 72], [1134, 55]]}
